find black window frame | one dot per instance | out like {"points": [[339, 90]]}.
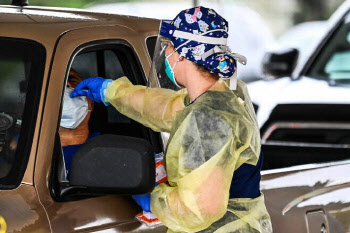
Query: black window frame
{"points": [[63, 192], [29, 117]]}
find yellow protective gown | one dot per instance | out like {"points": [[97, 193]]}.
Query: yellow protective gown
{"points": [[209, 139]]}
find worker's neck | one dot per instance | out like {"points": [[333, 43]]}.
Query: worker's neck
{"points": [[196, 84]]}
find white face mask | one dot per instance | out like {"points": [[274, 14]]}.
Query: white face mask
{"points": [[74, 110]]}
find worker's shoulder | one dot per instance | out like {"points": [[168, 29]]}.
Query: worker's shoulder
{"points": [[224, 105], [213, 106], [215, 100]]}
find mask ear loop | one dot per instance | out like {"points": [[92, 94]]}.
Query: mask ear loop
{"points": [[172, 68]]}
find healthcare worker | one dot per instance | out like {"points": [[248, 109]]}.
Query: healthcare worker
{"points": [[212, 156]]}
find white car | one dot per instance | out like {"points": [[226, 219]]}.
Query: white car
{"points": [[302, 36], [316, 94], [249, 35]]}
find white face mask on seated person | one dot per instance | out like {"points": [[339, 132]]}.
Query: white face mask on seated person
{"points": [[74, 110]]}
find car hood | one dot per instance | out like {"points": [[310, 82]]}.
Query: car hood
{"points": [[268, 94]]}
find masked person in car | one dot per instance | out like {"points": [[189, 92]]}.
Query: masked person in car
{"points": [[74, 125], [213, 156]]}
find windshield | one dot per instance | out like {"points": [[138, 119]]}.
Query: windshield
{"points": [[333, 62], [21, 65]]}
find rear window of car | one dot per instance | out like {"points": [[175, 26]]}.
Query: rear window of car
{"points": [[151, 45], [22, 66]]}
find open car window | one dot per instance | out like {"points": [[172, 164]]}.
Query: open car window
{"points": [[110, 61]]}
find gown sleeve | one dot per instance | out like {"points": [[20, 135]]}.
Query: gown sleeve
{"points": [[152, 107], [200, 163]]}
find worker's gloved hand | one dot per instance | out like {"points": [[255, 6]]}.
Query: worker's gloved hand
{"points": [[92, 88], [144, 201]]}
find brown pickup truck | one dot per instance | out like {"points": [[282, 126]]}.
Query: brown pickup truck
{"points": [[41, 191]]}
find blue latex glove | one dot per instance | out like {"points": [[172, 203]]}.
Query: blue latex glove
{"points": [[144, 201], [92, 88]]}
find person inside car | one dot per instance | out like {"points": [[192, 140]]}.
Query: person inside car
{"points": [[74, 125]]}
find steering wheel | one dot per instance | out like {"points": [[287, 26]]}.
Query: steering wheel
{"points": [[7, 122]]}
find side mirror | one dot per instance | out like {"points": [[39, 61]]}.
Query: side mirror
{"points": [[111, 164], [279, 64]]}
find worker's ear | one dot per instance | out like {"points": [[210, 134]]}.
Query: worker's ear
{"points": [[181, 58]]}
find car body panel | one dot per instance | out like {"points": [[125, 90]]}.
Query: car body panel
{"points": [[268, 94], [22, 211], [45, 25], [289, 195]]}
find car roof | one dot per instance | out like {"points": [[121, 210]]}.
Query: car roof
{"points": [[33, 22]]}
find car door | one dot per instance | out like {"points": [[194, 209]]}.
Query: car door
{"points": [[307, 187], [99, 213]]}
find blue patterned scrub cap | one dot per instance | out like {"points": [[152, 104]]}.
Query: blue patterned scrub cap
{"points": [[200, 35]]}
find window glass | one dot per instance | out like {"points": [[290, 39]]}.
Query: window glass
{"points": [[86, 64], [20, 62], [333, 63], [113, 67], [151, 45], [114, 70]]}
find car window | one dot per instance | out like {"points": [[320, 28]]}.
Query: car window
{"points": [[98, 118], [112, 65], [86, 64], [333, 64], [21, 64], [110, 62], [151, 45]]}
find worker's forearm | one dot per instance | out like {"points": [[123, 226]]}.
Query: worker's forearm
{"points": [[152, 107]]}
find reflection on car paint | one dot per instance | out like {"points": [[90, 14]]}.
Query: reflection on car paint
{"points": [[57, 14], [16, 207], [310, 195], [337, 196], [98, 222], [326, 176]]}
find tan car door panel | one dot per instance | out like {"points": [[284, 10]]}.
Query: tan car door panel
{"points": [[21, 211]]}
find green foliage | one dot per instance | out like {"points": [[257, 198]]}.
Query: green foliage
{"points": [[60, 3], [64, 3]]}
